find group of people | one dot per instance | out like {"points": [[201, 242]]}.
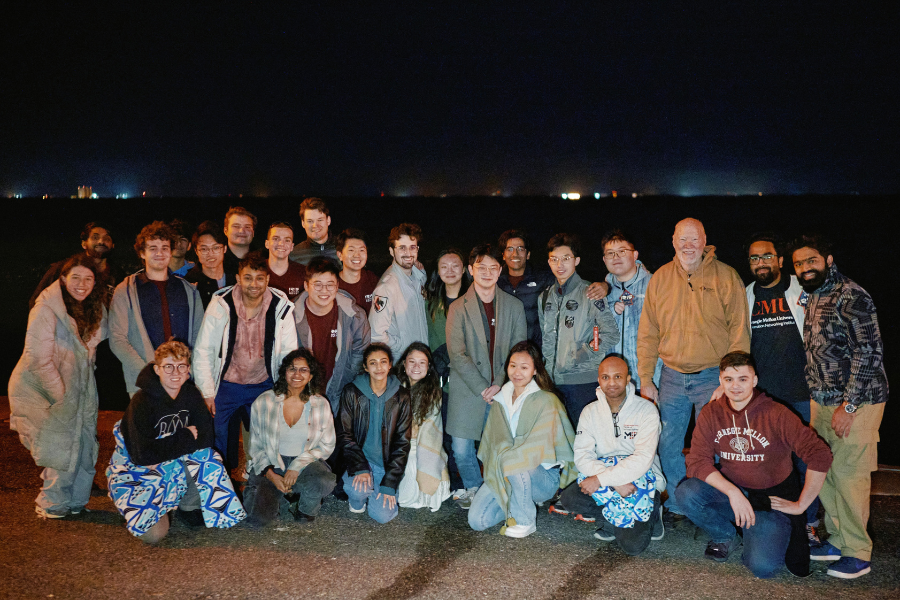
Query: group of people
{"points": [[491, 382]]}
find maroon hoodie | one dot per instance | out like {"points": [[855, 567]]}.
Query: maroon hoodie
{"points": [[754, 444]]}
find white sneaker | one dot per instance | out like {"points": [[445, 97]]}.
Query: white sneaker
{"points": [[465, 501], [356, 510], [520, 531], [457, 494]]}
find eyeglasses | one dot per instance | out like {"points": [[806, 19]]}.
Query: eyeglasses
{"points": [[319, 286], [566, 260], [485, 270], [169, 369], [611, 254], [765, 258], [809, 261], [615, 417], [210, 249], [515, 250], [301, 370]]}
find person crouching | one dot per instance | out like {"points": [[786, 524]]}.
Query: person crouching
{"points": [[163, 460]]}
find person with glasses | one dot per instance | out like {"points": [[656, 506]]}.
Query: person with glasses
{"points": [[284, 274], [577, 331], [164, 460], [247, 331], [292, 433], [335, 330], [482, 326], [695, 312], [620, 479], [209, 275], [845, 373], [627, 279], [152, 306]]}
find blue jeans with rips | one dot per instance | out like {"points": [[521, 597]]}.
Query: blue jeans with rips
{"points": [[679, 393]]}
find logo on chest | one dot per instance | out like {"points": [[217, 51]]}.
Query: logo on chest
{"points": [[570, 322], [572, 305]]}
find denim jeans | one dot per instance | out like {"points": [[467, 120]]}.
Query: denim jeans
{"points": [[233, 400], [765, 543], [678, 394], [372, 496], [576, 397], [529, 487], [467, 459], [313, 483]]}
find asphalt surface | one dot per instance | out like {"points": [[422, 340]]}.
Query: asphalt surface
{"points": [[343, 555]]}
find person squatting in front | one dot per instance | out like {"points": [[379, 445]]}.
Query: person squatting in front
{"points": [[755, 486], [291, 436], [374, 402], [526, 447], [620, 479], [164, 460]]}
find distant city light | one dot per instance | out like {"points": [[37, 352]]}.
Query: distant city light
{"points": [[596, 195], [571, 196], [121, 196], [634, 194], [565, 196], [94, 196], [615, 194]]}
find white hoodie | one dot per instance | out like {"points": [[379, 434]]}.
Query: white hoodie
{"points": [[638, 437]]}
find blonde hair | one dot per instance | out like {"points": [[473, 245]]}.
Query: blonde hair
{"points": [[177, 350]]}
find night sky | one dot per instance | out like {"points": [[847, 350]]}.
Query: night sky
{"points": [[350, 100]]}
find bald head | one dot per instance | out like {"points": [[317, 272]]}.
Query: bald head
{"points": [[613, 377], [689, 240]]}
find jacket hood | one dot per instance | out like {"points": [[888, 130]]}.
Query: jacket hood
{"points": [[642, 273], [629, 395], [362, 382], [148, 381], [344, 301], [52, 298], [759, 396]]}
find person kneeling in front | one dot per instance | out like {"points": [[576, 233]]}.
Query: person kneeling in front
{"points": [[374, 433], [526, 447], [291, 436], [755, 486], [164, 459], [620, 479]]}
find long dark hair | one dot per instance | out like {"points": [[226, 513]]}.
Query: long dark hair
{"points": [[426, 393], [436, 288], [316, 383], [89, 312], [540, 372]]}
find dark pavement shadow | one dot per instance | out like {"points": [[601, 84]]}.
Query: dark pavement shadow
{"points": [[442, 542], [586, 576]]}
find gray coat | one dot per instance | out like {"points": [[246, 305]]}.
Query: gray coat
{"points": [[470, 366], [128, 337], [352, 338], [52, 391]]}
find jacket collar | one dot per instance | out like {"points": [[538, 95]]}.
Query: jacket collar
{"points": [[570, 284], [641, 274]]}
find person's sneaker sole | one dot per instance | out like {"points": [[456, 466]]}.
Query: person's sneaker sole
{"points": [[584, 519], [825, 557], [520, 531], [45, 514], [601, 535], [357, 510], [662, 524], [842, 575], [558, 511]]}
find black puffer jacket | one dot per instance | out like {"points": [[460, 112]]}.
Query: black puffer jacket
{"points": [[353, 426]]}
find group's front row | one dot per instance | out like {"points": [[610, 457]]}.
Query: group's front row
{"points": [[608, 472]]}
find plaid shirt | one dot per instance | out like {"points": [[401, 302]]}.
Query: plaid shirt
{"points": [[264, 425], [844, 352]]}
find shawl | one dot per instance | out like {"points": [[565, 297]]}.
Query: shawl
{"points": [[431, 459]]}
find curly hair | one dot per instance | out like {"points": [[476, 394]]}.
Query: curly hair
{"points": [[426, 394], [157, 230], [173, 348], [316, 383], [89, 312]]}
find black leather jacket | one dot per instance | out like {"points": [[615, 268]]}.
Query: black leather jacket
{"points": [[353, 426]]}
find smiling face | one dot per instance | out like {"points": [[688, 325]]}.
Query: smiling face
{"points": [[239, 230], [156, 255], [180, 372], [811, 268], [485, 273], [689, 241], [767, 271], [520, 370], [613, 378], [405, 252], [298, 376], [252, 283], [354, 255], [620, 259], [515, 255], [316, 224], [322, 289], [280, 242], [738, 383], [450, 269], [562, 262], [79, 282], [181, 247], [416, 366], [99, 242], [210, 252], [378, 366]]}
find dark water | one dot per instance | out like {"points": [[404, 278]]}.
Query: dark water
{"points": [[43, 231]]}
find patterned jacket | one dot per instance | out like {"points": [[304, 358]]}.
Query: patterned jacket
{"points": [[844, 352]]}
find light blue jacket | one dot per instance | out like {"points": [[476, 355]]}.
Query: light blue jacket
{"points": [[630, 317]]}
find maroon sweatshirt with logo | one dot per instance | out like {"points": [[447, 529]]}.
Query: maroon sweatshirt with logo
{"points": [[754, 444]]}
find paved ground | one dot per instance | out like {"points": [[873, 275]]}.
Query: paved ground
{"points": [[419, 555]]}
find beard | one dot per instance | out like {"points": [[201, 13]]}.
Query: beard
{"points": [[765, 278], [811, 285]]}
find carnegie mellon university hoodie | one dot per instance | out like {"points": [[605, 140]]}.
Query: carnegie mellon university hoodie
{"points": [[754, 444], [155, 426]]}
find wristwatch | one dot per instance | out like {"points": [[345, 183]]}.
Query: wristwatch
{"points": [[850, 408]]}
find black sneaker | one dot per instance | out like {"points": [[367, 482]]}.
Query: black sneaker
{"points": [[340, 494], [605, 532], [300, 517], [191, 518], [659, 528], [720, 551]]}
